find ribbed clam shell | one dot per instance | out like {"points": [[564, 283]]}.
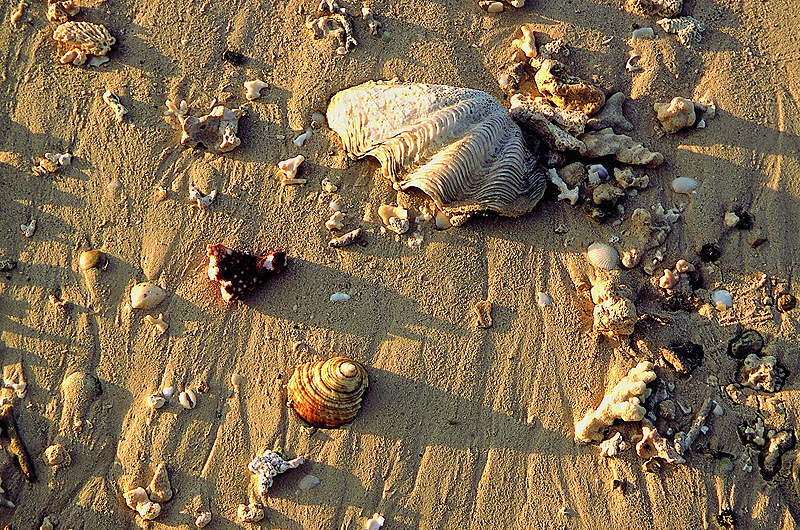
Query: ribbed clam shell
{"points": [[459, 146], [327, 393], [602, 256]]}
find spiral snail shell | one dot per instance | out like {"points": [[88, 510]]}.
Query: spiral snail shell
{"points": [[327, 393]]}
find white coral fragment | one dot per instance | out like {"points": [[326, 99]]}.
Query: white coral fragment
{"points": [[253, 89], [288, 168], [571, 195], [614, 313], [624, 402]]}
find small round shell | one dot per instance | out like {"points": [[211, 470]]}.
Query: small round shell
{"points": [[602, 256], [722, 299], [146, 295], [188, 399], [327, 393], [684, 185], [543, 299], [91, 259]]}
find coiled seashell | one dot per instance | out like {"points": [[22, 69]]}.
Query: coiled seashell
{"points": [[146, 295], [459, 146], [685, 185], [327, 393], [602, 256]]}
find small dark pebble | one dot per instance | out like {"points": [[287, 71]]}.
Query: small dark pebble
{"points": [[745, 221], [709, 252], [727, 518], [747, 342], [681, 302], [619, 484], [757, 241], [232, 57], [785, 302], [683, 356]]}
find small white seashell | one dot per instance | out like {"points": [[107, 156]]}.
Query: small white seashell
{"points": [[168, 392], [253, 89], [188, 399], [544, 300], [340, 297], [156, 401], [236, 380], [684, 185], [377, 520], [98, 60], [308, 482], [602, 256], [29, 229], [335, 221], [442, 221], [300, 140], [146, 295], [722, 300], [701, 124], [387, 211], [112, 100]]}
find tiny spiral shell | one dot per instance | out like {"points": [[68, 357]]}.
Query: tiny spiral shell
{"points": [[327, 393]]}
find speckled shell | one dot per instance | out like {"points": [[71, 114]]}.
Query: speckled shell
{"points": [[459, 146], [146, 295], [327, 393], [602, 256]]}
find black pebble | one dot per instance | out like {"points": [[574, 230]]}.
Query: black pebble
{"points": [[232, 57], [745, 221], [726, 519], [709, 252]]}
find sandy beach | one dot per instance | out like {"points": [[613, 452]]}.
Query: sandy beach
{"points": [[461, 427]]}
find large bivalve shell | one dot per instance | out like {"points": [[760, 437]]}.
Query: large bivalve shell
{"points": [[459, 146], [327, 393]]}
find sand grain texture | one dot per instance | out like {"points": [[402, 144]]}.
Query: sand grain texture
{"points": [[461, 427]]}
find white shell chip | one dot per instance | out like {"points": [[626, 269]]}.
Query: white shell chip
{"points": [[146, 295]]}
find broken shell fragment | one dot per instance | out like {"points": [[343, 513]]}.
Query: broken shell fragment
{"points": [[29, 229], [399, 226], [785, 302], [149, 510], [347, 239], [288, 170], [688, 29], [308, 482], [201, 199], [327, 393], [146, 295], [339, 297], [216, 130], [91, 259], [156, 401], [268, 466], [160, 489], [602, 256], [112, 100], [253, 89], [135, 497], [239, 273]]}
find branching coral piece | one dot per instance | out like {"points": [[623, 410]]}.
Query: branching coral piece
{"points": [[611, 115], [652, 445], [624, 403], [623, 148]]}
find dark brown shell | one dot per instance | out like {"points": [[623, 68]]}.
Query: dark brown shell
{"points": [[327, 393]]}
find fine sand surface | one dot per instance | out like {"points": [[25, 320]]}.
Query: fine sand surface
{"points": [[461, 427]]}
